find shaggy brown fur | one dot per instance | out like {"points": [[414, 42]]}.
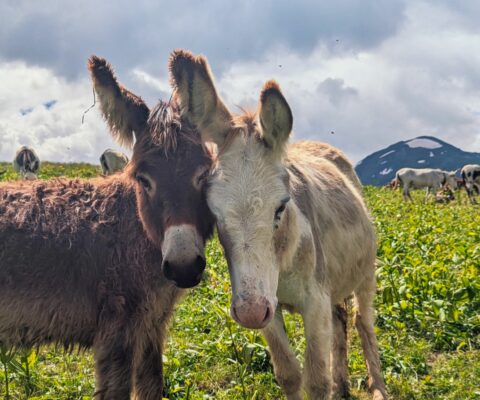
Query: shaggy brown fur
{"points": [[81, 261], [77, 268]]}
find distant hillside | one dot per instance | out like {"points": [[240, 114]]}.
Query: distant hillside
{"points": [[421, 152]]}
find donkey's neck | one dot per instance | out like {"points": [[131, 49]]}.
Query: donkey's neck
{"points": [[295, 252], [294, 241]]}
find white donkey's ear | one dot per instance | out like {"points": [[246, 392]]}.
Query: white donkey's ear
{"points": [[124, 112], [275, 115], [195, 91]]}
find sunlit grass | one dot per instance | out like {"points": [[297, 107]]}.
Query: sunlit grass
{"points": [[428, 305]]}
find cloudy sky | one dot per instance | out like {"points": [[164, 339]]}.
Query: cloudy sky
{"points": [[359, 74]]}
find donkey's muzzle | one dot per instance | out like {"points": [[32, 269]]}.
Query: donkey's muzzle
{"points": [[185, 276], [253, 313], [183, 255]]}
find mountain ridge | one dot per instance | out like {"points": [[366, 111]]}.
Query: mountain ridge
{"points": [[379, 168]]}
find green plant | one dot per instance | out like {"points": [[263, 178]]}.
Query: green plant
{"points": [[427, 305]]}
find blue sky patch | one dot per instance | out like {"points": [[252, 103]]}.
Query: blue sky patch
{"points": [[25, 111], [49, 104]]}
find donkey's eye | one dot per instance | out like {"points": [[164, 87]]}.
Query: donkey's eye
{"points": [[200, 178], [143, 181], [281, 209], [203, 176]]}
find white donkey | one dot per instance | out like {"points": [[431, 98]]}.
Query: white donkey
{"points": [[295, 230], [424, 178]]}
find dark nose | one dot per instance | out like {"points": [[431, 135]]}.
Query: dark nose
{"points": [[185, 275]]}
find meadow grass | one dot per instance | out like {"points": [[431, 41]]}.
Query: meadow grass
{"points": [[427, 304]]}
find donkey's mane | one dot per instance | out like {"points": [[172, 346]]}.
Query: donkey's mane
{"points": [[167, 128]]}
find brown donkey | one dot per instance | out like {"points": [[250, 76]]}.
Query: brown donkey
{"points": [[295, 230], [86, 262]]}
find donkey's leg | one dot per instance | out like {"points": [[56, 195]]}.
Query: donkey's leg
{"points": [[149, 369], [339, 352], [318, 332], [364, 321], [148, 365], [285, 364], [113, 364]]}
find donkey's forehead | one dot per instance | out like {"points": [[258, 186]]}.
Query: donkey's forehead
{"points": [[247, 148], [247, 170]]}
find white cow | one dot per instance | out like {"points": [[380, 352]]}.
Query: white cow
{"points": [[424, 178], [26, 163], [471, 179], [112, 161]]}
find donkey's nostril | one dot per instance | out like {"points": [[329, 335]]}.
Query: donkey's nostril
{"points": [[233, 311], [255, 315], [167, 270], [267, 314], [200, 263]]}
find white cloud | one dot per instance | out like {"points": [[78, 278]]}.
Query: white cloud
{"points": [[421, 77], [56, 133]]}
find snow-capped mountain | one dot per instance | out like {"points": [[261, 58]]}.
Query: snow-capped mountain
{"points": [[421, 152]]}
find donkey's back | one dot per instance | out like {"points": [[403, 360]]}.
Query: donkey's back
{"points": [[321, 150], [69, 251]]}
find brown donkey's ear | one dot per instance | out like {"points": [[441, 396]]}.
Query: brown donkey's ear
{"points": [[124, 112], [275, 116], [195, 91]]}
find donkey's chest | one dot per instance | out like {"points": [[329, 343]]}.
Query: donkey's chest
{"points": [[291, 292]]}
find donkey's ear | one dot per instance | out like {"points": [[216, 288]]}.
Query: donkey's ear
{"points": [[275, 116], [195, 91], [124, 112]]}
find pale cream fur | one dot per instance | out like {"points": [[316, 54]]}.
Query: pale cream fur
{"points": [[320, 251]]}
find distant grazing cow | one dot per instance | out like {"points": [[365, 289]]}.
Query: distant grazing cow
{"points": [[471, 178], [444, 196], [460, 183], [26, 163], [426, 178], [112, 161]]}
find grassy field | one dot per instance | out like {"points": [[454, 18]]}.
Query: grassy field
{"points": [[428, 318]]}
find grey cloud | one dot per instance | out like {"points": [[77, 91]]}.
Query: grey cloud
{"points": [[336, 91], [61, 35]]}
